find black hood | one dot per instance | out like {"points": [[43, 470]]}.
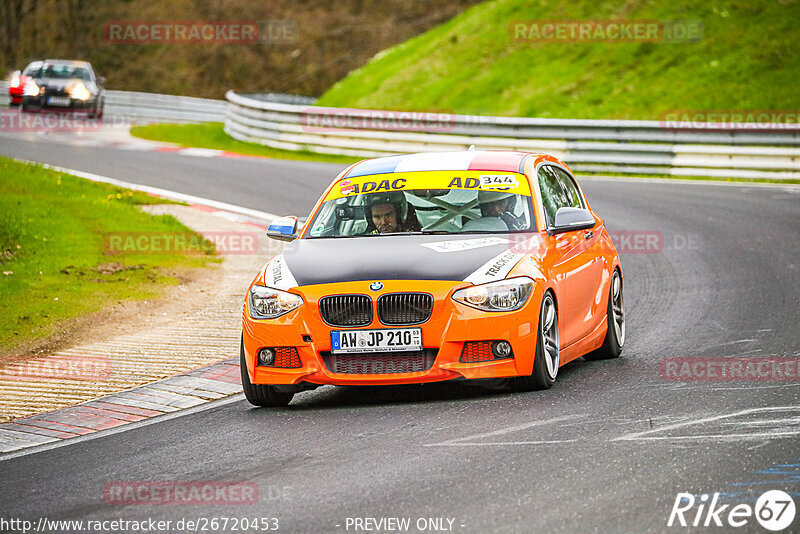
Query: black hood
{"points": [[321, 261]]}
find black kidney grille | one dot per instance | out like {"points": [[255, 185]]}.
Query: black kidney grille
{"points": [[405, 308], [346, 310]]}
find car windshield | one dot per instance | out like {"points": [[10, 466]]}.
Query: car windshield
{"points": [[446, 211], [62, 72], [32, 69]]}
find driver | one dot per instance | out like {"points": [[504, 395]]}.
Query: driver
{"points": [[500, 204], [390, 213]]}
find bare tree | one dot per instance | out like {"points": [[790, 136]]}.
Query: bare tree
{"points": [[12, 15]]}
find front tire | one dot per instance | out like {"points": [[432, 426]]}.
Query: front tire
{"points": [[547, 359], [97, 113], [615, 335], [259, 394]]}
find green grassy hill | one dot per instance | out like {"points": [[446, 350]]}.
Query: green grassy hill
{"points": [[748, 58]]}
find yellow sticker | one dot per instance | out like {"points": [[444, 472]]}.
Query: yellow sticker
{"points": [[407, 181]]}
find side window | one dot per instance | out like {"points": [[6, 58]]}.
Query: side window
{"points": [[553, 194], [569, 188]]}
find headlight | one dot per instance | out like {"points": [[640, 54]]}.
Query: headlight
{"points": [[503, 295], [31, 89], [268, 303], [14, 83], [80, 92]]}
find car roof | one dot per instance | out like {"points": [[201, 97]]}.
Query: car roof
{"points": [[73, 62], [473, 160]]}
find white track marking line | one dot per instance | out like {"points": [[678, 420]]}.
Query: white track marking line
{"points": [[683, 386], [761, 422], [200, 152], [507, 430], [719, 437], [172, 195], [646, 434], [500, 443]]}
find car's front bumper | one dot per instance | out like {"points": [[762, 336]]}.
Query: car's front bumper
{"points": [[451, 325], [40, 103]]}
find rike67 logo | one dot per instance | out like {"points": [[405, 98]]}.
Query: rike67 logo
{"points": [[774, 510]]}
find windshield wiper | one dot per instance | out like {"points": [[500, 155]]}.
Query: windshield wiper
{"points": [[430, 232]]}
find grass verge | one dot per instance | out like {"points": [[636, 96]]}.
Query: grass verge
{"points": [[53, 265], [212, 135]]}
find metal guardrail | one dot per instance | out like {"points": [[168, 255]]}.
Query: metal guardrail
{"points": [[152, 107], [283, 98], [592, 146], [131, 106], [4, 100]]}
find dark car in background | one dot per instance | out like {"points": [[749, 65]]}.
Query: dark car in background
{"points": [[64, 86]]}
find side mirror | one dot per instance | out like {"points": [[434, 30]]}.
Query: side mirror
{"points": [[101, 80], [283, 229], [569, 219]]}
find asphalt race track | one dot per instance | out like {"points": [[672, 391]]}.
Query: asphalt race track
{"points": [[606, 450], [283, 185]]}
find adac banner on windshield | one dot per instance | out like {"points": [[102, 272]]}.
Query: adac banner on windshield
{"points": [[511, 182]]}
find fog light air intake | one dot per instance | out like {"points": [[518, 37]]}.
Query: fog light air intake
{"points": [[485, 351], [286, 357]]}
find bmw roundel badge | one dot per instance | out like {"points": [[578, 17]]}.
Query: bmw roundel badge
{"points": [[376, 286]]}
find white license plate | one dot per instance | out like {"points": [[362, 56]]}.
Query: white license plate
{"points": [[382, 340], [58, 101]]}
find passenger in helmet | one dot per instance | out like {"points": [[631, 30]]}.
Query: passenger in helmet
{"points": [[390, 213], [500, 204]]}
